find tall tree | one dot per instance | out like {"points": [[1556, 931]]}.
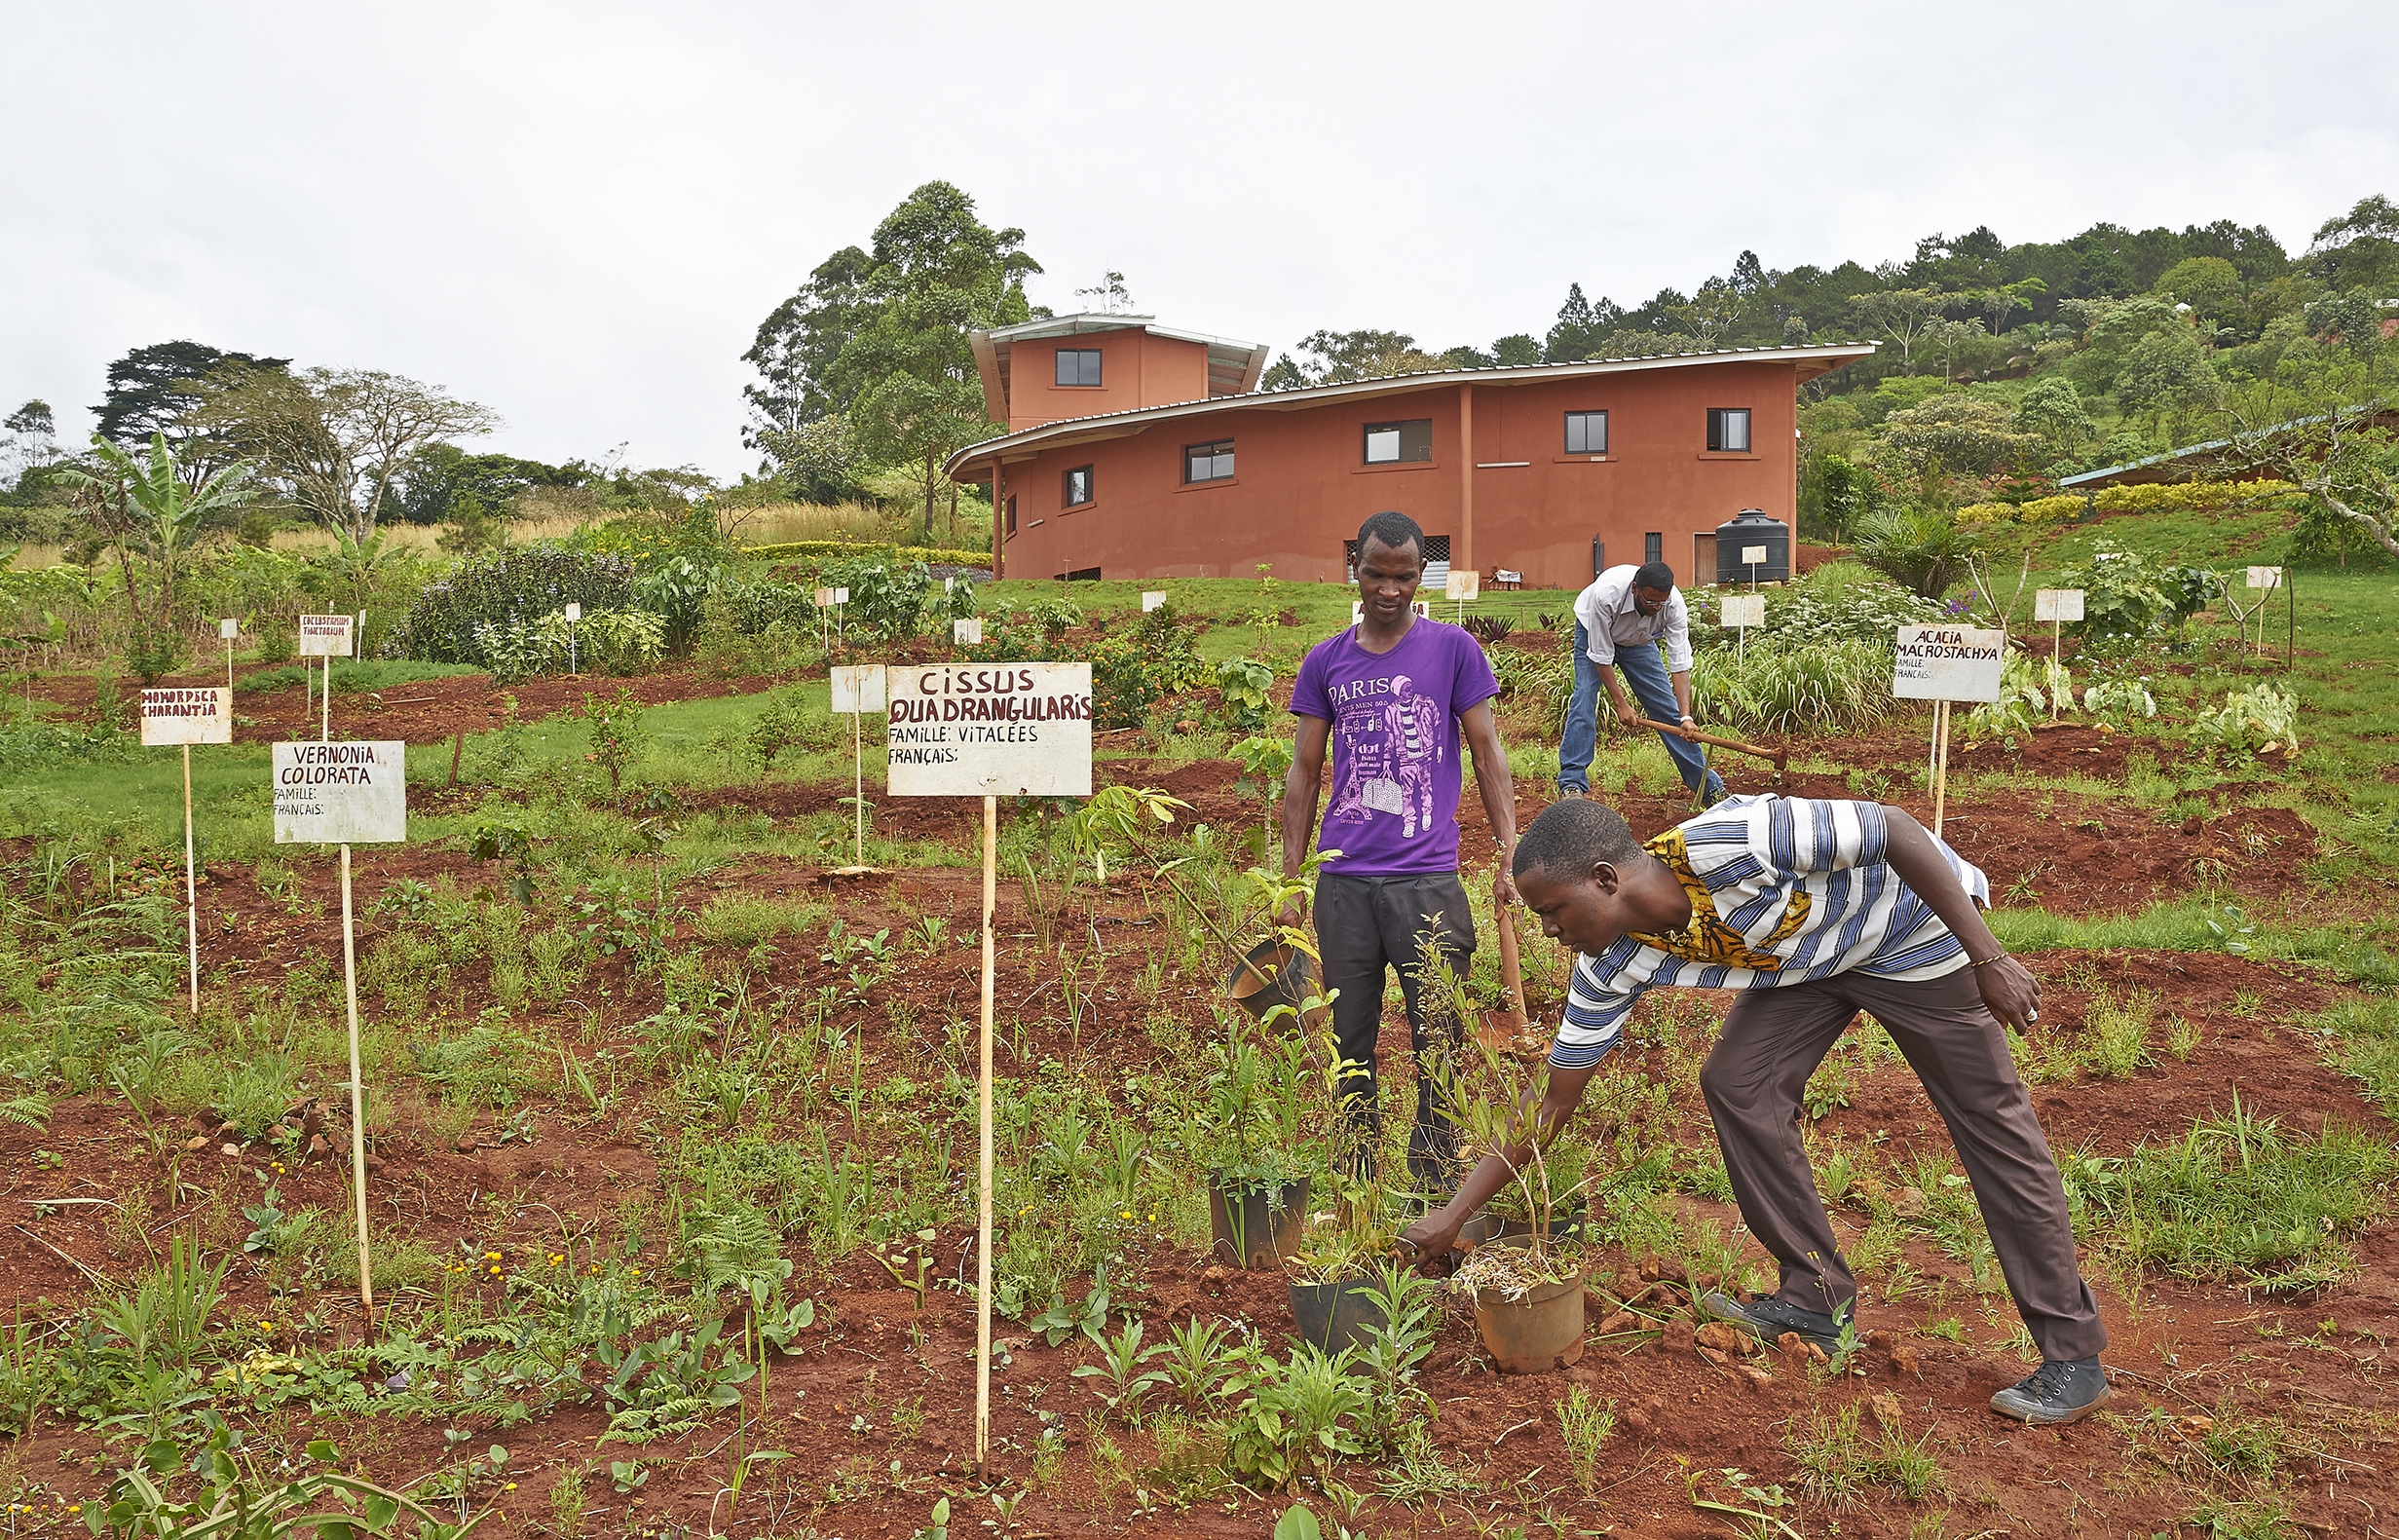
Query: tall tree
{"points": [[907, 370], [1903, 315], [33, 439], [337, 438], [1337, 358], [797, 346], [155, 389]]}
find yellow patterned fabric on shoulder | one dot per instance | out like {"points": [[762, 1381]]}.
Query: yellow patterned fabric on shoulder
{"points": [[1708, 938]]}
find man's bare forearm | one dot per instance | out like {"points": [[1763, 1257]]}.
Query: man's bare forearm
{"points": [[1300, 790], [1912, 854]]}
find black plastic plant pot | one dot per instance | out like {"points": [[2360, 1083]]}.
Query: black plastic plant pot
{"points": [[1334, 1314], [1566, 1225], [1255, 1223]]}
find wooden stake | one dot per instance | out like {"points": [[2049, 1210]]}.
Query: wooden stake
{"points": [[458, 748], [1941, 775], [191, 880], [358, 1101], [983, 1202], [2057, 655]]}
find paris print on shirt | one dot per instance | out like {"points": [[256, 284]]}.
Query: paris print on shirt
{"points": [[1391, 741]]}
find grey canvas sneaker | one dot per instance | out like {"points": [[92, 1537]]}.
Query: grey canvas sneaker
{"points": [[2059, 1391], [1768, 1319]]}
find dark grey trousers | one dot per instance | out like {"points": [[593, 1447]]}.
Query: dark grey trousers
{"points": [[1773, 1040], [1365, 925]]}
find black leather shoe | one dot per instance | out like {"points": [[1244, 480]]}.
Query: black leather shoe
{"points": [[2057, 1392], [1768, 1319]]}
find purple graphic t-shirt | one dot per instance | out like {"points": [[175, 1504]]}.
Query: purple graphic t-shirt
{"points": [[1396, 770]]}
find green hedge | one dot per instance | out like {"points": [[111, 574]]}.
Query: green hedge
{"points": [[929, 554]]}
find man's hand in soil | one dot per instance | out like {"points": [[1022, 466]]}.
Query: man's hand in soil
{"points": [[1561, 1092]]}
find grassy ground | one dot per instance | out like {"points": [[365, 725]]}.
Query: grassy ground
{"points": [[647, 1083]]}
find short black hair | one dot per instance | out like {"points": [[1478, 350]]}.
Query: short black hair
{"points": [[1656, 575], [1392, 531], [1571, 837]]}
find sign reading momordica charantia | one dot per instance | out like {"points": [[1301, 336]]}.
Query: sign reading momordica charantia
{"points": [[1011, 729]]}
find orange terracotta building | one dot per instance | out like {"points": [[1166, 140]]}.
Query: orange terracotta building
{"points": [[1135, 450]]}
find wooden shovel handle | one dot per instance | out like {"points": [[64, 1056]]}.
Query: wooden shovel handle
{"points": [[1511, 974], [1780, 757]]}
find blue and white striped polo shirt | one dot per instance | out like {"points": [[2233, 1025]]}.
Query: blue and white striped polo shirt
{"points": [[1784, 889]]}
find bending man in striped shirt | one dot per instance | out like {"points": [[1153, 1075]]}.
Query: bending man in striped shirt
{"points": [[1815, 910]]}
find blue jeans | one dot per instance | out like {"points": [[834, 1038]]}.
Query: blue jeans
{"points": [[1644, 669]]}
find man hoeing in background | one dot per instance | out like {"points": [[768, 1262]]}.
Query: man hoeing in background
{"points": [[1391, 697], [1814, 910], [1618, 621]]}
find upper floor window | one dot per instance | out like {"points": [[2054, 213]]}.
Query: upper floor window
{"points": [[1078, 487], [1653, 546], [1208, 461], [1391, 444], [1587, 433], [1728, 430], [1079, 365]]}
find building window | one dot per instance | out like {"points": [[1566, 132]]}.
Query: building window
{"points": [[1208, 461], [1587, 433], [1011, 513], [1728, 430], [1393, 443], [1079, 365], [1080, 575], [1436, 561], [1078, 487], [1653, 546]]}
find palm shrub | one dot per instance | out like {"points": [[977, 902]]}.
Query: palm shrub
{"points": [[1923, 550]]}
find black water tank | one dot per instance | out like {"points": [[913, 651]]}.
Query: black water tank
{"points": [[1751, 530]]}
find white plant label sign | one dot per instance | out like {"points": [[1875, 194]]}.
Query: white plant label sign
{"points": [[1947, 662], [228, 630], [575, 612], [341, 793], [824, 598], [1744, 610], [1503, 574], [1463, 586], [858, 689], [325, 635], [967, 632], [2057, 604], [1151, 599], [1753, 556], [186, 716], [1011, 729], [2265, 576], [840, 596]]}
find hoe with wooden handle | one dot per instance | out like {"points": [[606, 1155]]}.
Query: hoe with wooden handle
{"points": [[1780, 757]]}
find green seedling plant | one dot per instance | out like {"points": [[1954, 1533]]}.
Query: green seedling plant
{"points": [[1586, 1423], [236, 1503], [1119, 1378]]}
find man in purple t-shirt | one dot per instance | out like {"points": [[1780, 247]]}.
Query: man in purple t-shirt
{"points": [[1391, 695]]}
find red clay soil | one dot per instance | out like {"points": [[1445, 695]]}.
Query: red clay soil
{"points": [[2055, 850], [2183, 1348], [423, 711], [2180, 1348]]}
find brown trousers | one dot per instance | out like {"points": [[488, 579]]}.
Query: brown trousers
{"points": [[1771, 1042]]}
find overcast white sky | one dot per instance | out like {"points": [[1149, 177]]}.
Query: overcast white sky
{"points": [[578, 214]]}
